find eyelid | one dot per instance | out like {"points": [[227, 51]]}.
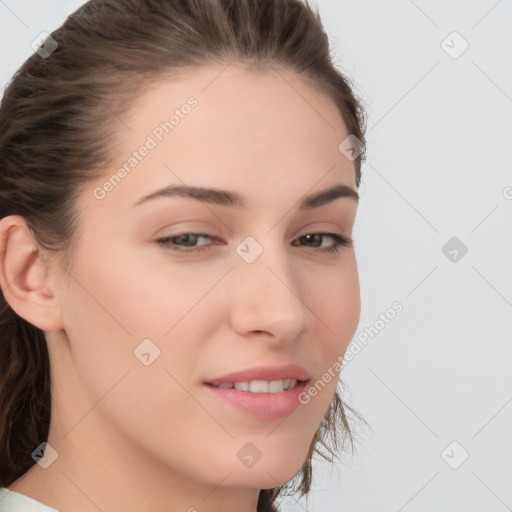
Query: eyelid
{"points": [[309, 229], [340, 240]]}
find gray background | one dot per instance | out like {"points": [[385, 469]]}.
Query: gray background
{"points": [[438, 167]]}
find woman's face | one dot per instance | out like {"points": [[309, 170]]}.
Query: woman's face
{"points": [[148, 322]]}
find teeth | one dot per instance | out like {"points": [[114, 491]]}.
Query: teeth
{"points": [[242, 386], [226, 385], [261, 386]]}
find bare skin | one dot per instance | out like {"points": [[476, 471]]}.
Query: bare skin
{"points": [[133, 437]]}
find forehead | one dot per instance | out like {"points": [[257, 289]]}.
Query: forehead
{"points": [[232, 95], [229, 126]]}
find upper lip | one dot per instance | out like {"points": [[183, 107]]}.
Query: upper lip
{"points": [[289, 371]]}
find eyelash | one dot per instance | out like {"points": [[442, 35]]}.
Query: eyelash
{"points": [[340, 241]]}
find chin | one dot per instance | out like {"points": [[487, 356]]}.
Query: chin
{"points": [[275, 471]]}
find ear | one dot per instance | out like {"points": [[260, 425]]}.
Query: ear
{"points": [[24, 276]]}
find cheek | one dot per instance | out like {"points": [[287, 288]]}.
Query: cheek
{"points": [[135, 297], [335, 299], [106, 320], [119, 309]]}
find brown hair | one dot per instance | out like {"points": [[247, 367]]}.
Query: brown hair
{"points": [[59, 118]]}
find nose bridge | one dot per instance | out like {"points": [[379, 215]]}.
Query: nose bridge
{"points": [[267, 294]]}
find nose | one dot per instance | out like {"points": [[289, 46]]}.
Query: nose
{"points": [[267, 298]]}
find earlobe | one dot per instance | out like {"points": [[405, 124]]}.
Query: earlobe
{"points": [[24, 276]]}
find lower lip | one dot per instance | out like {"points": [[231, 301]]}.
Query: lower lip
{"points": [[265, 406]]}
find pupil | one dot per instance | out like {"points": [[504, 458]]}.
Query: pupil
{"points": [[183, 238]]}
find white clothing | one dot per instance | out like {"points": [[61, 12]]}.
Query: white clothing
{"points": [[11, 501]]}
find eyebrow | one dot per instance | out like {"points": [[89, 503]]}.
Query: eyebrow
{"points": [[232, 199]]}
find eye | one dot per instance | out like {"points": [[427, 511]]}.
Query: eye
{"points": [[339, 240], [190, 240], [187, 239]]}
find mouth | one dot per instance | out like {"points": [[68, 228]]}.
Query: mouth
{"points": [[263, 379], [261, 386], [260, 399]]}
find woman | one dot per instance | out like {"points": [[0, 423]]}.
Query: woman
{"points": [[178, 191]]}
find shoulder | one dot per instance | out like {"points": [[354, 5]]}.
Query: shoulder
{"points": [[11, 501]]}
